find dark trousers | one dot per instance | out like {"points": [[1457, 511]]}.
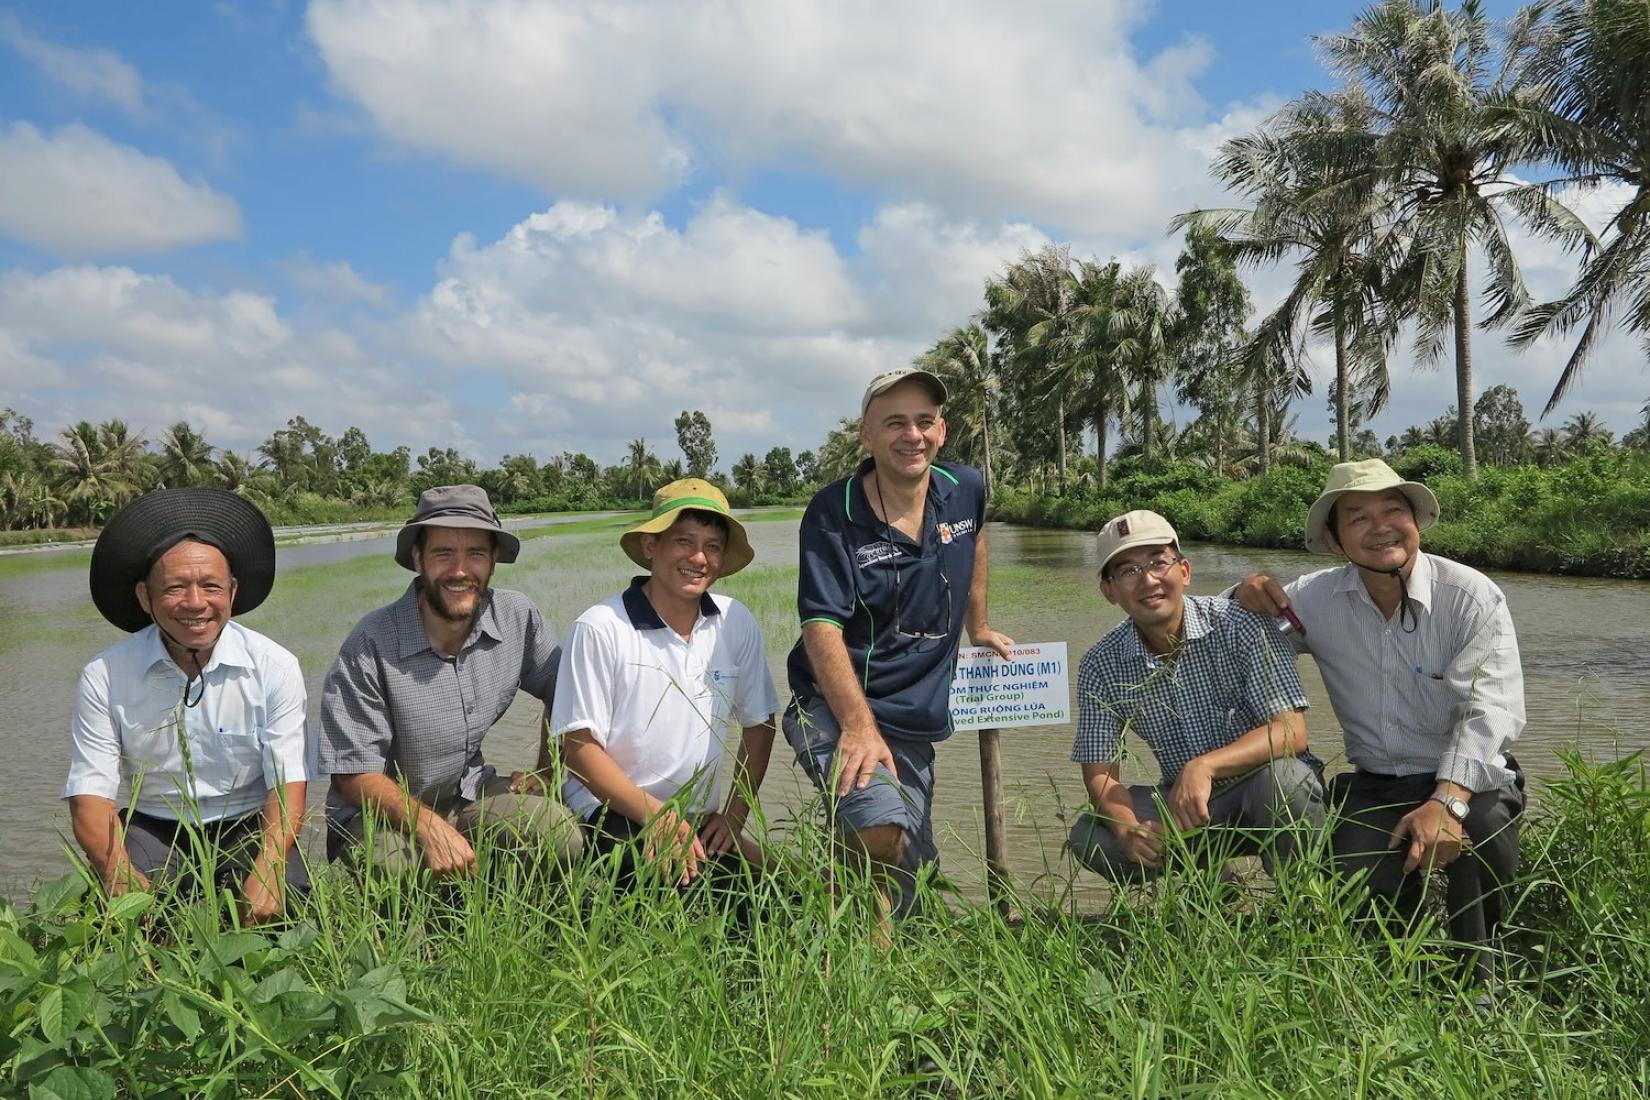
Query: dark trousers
{"points": [[613, 834], [163, 850], [1370, 806]]}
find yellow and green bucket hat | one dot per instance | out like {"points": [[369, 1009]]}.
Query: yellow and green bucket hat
{"points": [[700, 495]]}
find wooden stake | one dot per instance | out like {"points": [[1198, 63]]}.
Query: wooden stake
{"points": [[996, 840]]}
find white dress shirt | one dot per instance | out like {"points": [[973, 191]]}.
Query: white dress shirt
{"points": [[1446, 699], [247, 735], [664, 707]]}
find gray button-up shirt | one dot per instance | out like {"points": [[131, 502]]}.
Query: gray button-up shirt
{"points": [[1445, 700], [393, 704]]}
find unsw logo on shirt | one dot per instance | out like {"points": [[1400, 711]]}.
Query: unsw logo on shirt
{"points": [[949, 531]]}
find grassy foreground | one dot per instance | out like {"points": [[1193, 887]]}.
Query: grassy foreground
{"points": [[515, 986]]}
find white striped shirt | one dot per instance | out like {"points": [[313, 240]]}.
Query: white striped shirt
{"points": [[1446, 699]]}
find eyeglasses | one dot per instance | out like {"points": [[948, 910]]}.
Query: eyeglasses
{"points": [[945, 583], [1157, 569]]}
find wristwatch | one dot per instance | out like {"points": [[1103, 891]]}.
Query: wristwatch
{"points": [[1457, 807]]}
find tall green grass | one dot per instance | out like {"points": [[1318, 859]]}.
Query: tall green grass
{"points": [[517, 984]]}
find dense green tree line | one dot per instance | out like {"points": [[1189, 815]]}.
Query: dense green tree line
{"points": [[1384, 194]]}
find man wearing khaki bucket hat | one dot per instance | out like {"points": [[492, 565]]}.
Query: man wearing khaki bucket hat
{"points": [[1421, 664], [416, 687], [656, 684]]}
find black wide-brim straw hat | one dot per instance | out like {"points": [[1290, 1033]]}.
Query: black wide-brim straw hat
{"points": [[153, 523]]}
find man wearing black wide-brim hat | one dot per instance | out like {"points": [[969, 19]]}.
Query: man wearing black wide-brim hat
{"points": [[202, 718], [416, 687]]}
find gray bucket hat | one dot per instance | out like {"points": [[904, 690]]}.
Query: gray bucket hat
{"points": [[454, 506]]}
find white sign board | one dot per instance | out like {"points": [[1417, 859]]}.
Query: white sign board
{"points": [[1031, 688]]}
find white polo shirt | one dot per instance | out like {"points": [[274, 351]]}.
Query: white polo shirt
{"points": [[247, 735], [669, 710]]}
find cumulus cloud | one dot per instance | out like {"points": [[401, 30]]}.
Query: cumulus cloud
{"points": [[113, 342], [100, 75], [976, 107], [76, 193]]}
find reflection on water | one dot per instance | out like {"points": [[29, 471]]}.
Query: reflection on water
{"points": [[1585, 644]]}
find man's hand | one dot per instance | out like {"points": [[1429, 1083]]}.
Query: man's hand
{"points": [[528, 783], [996, 639], [445, 851], [1261, 594], [719, 833], [1189, 797], [1142, 842], [1436, 839], [858, 752], [262, 895], [671, 841]]}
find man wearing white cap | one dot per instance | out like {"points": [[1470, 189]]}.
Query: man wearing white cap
{"points": [[1421, 663], [1213, 691]]}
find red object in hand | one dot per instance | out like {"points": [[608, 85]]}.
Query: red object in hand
{"points": [[1290, 621]]}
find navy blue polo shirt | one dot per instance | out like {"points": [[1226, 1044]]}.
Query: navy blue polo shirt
{"points": [[905, 657]]}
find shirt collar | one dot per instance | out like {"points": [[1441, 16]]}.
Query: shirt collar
{"points": [[641, 612], [1194, 624], [857, 505], [409, 624], [1418, 584], [229, 650]]}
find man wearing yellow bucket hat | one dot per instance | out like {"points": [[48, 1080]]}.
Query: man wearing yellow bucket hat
{"points": [[1421, 663], [654, 685]]}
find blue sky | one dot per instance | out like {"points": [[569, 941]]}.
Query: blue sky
{"points": [[539, 227]]}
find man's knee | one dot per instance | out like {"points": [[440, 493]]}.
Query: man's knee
{"points": [[1093, 844], [369, 844], [530, 822], [1289, 791], [884, 844]]}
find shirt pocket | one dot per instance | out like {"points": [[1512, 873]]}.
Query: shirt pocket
{"points": [[226, 761]]}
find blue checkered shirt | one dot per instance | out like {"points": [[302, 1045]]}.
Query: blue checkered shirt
{"points": [[1231, 672]]}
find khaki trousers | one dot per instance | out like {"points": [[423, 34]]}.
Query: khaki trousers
{"points": [[521, 824]]}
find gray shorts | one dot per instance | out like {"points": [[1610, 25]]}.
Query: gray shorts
{"points": [[904, 797]]}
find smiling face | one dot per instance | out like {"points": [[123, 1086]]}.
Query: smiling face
{"points": [[686, 558], [189, 593], [455, 564], [1155, 603], [903, 430], [1376, 531]]}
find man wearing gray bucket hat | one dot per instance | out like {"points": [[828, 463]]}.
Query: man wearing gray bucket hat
{"points": [[415, 689], [1421, 663], [202, 718]]}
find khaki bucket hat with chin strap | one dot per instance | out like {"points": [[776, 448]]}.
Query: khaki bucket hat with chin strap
{"points": [[700, 496], [1369, 476]]}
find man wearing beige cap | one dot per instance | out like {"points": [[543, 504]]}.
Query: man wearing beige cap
{"points": [[893, 566], [1421, 663], [1212, 690], [415, 689]]}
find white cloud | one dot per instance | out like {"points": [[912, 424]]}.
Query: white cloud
{"points": [[113, 342], [983, 110], [92, 74], [335, 283], [76, 193]]}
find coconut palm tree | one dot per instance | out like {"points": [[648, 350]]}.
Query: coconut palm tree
{"points": [[185, 456], [1032, 307], [1429, 77], [642, 467], [1211, 305], [966, 363], [1582, 85], [1092, 370], [1584, 431], [1142, 321], [1327, 212]]}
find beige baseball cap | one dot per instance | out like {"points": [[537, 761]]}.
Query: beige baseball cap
{"points": [[882, 383], [1131, 529]]}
